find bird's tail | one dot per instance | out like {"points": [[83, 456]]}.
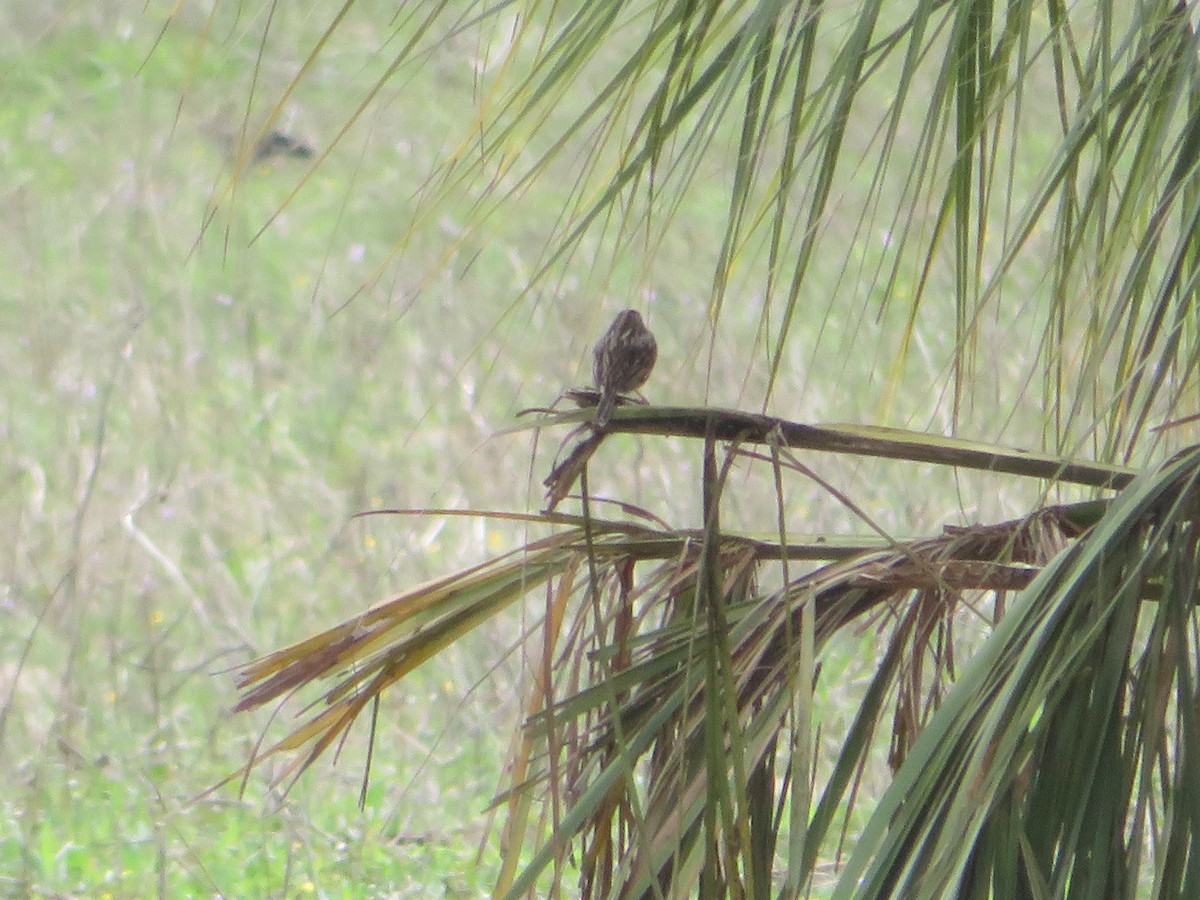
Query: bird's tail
{"points": [[607, 401]]}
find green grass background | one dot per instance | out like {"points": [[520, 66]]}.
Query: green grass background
{"points": [[191, 416]]}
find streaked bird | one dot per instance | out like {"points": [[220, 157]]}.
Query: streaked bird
{"points": [[622, 360]]}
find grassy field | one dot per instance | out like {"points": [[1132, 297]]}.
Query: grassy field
{"points": [[191, 417], [188, 431]]}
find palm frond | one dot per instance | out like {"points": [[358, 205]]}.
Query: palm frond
{"points": [[1045, 197], [640, 729], [1063, 758], [667, 715]]}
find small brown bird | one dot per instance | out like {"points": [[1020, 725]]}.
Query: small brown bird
{"points": [[277, 143], [622, 360]]}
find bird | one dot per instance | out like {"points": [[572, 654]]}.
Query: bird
{"points": [[622, 360], [277, 143]]}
